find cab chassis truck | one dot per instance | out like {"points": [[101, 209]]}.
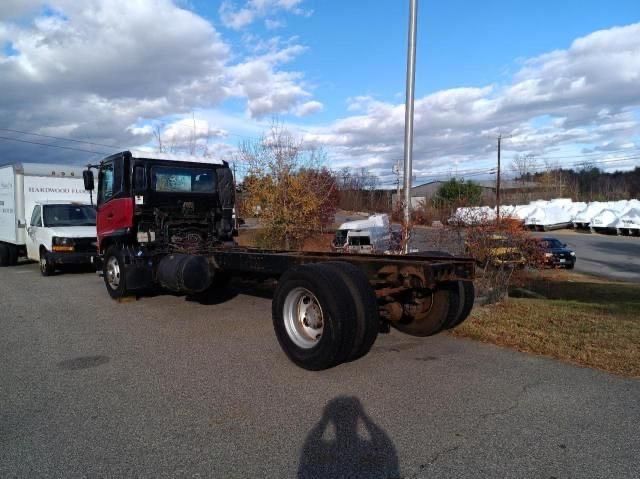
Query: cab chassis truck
{"points": [[169, 224]]}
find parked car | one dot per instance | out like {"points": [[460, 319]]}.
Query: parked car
{"points": [[497, 251], [556, 253]]}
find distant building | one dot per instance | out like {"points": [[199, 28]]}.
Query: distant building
{"points": [[511, 191]]}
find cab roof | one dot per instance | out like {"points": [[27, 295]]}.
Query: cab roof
{"points": [[173, 157]]}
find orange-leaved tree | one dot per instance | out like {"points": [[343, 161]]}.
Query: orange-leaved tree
{"points": [[287, 188]]}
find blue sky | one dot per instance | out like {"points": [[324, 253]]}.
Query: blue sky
{"points": [[562, 79], [359, 47]]}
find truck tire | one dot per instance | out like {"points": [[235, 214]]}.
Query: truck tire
{"points": [[366, 307], [313, 316], [13, 255], [47, 268], [465, 300], [4, 255], [431, 321], [113, 269]]}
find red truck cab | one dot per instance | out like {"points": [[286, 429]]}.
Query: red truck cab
{"points": [[148, 208]]}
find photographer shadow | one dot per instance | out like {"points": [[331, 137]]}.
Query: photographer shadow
{"points": [[334, 448]]}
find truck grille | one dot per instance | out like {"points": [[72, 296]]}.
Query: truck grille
{"points": [[85, 245]]}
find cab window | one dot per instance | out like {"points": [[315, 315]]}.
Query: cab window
{"points": [[36, 216], [105, 188]]}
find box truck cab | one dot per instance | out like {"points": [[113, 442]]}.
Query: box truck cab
{"points": [[374, 235], [42, 206], [61, 233]]}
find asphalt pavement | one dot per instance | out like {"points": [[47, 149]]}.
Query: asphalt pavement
{"points": [[169, 386]]}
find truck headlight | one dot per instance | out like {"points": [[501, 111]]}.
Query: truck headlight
{"points": [[572, 253], [63, 245]]}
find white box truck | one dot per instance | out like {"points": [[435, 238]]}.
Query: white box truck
{"points": [[45, 215]]}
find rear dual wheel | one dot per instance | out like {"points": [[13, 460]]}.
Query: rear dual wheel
{"points": [[447, 307], [325, 314], [4, 255], [8, 254], [444, 308], [13, 255]]}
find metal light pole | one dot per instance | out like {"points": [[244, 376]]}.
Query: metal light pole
{"points": [[408, 117], [498, 183]]}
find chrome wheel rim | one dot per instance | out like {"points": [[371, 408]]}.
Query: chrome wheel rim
{"points": [[303, 318], [113, 272], [43, 264]]}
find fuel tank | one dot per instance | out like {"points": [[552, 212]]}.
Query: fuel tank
{"points": [[184, 273]]}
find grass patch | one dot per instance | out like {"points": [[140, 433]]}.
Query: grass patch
{"points": [[573, 318]]}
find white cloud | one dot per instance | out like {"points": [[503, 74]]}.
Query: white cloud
{"points": [[91, 69], [267, 88], [237, 18], [16, 8], [588, 93], [308, 108]]}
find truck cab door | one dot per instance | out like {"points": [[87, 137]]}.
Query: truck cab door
{"points": [[35, 224], [115, 205]]}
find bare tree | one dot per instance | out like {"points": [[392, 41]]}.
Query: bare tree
{"points": [[523, 165]]}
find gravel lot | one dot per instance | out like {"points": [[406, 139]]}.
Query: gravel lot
{"points": [[170, 387]]}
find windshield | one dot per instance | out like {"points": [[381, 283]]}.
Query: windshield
{"points": [[69, 215], [359, 241], [341, 237], [552, 243], [167, 179]]}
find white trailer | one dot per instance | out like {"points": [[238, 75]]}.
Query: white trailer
{"points": [[22, 187]]}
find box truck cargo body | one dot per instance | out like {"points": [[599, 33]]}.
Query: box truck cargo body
{"points": [[22, 187]]}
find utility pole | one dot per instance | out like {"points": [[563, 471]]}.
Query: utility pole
{"points": [[498, 182], [408, 117]]}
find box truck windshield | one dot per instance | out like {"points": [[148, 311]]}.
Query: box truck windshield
{"points": [[69, 215]]}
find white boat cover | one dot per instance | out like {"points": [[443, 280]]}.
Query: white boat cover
{"points": [[548, 216], [630, 219], [607, 218], [552, 213], [589, 212]]}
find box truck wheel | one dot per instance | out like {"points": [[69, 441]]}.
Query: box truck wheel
{"points": [[47, 268], [4, 255], [366, 305], [13, 255], [113, 269], [313, 316]]}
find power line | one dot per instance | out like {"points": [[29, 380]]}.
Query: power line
{"points": [[54, 146], [86, 142], [59, 138]]}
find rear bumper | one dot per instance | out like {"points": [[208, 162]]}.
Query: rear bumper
{"points": [[72, 258]]}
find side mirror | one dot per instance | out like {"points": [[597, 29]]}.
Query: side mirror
{"points": [[87, 176], [564, 245]]}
